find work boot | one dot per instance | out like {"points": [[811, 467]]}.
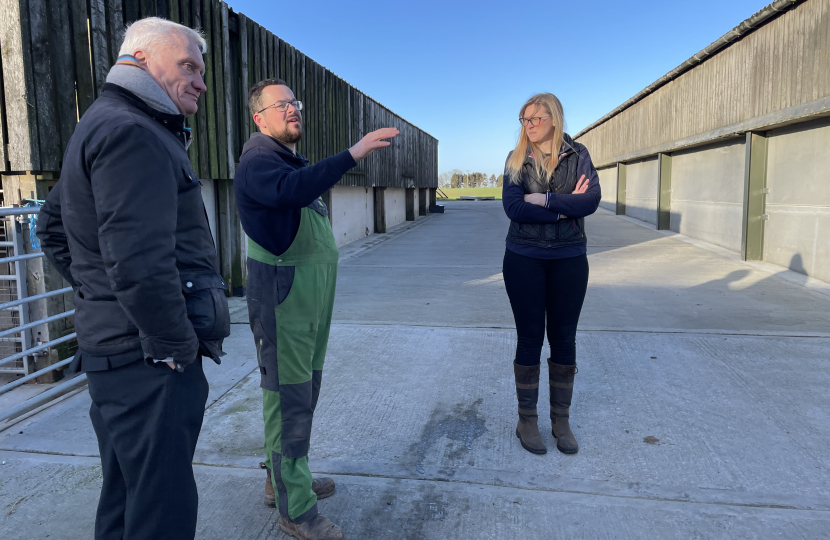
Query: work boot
{"points": [[323, 487], [270, 496], [317, 528], [527, 390], [561, 391]]}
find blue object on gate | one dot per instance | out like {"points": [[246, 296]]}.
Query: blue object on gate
{"points": [[33, 222]]}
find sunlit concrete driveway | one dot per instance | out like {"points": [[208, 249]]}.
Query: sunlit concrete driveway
{"points": [[701, 405]]}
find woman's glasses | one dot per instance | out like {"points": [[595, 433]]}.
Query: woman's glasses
{"points": [[532, 121]]}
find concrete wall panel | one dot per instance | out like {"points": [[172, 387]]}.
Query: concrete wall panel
{"points": [[352, 213], [707, 193], [798, 203], [641, 190], [608, 184], [395, 206]]}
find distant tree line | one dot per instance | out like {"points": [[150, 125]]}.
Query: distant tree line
{"points": [[459, 179]]}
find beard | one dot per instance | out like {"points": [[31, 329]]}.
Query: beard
{"points": [[288, 135]]}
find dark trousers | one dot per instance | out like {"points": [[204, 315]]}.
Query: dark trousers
{"points": [[540, 289], [147, 419]]}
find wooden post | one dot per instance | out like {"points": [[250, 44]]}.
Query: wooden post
{"points": [[663, 192], [422, 201], [380, 209], [620, 189], [432, 196], [229, 243], [19, 86], [100, 45], [754, 211], [410, 204]]}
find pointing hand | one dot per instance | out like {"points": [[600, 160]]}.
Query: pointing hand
{"points": [[372, 142]]}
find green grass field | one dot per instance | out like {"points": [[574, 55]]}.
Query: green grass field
{"points": [[455, 193]]}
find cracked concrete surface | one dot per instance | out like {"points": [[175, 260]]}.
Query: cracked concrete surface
{"points": [[701, 403]]}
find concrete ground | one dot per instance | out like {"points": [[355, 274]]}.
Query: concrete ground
{"points": [[701, 403]]}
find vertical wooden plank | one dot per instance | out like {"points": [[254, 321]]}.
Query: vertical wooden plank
{"points": [[149, 8], [64, 69], [175, 11], [21, 114], [263, 53], [200, 119], [184, 13], [45, 109], [251, 69], [210, 95], [132, 11], [85, 86], [269, 53], [4, 133], [163, 8], [256, 53], [115, 27], [245, 116], [100, 46], [227, 144], [219, 73], [276, 44], [185, 17]]}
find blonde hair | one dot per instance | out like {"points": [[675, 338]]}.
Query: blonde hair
{"points": [[144, 34], [544, 165]]}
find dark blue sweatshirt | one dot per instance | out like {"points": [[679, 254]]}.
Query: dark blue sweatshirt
{"points": [[558, 204], [272, 185]]}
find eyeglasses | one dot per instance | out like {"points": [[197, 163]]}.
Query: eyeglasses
{"points": [[532, 121], [283, 106]]}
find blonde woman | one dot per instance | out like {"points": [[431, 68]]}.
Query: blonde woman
{"points": [[550, 185]]}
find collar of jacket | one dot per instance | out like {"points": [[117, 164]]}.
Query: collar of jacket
{"points": [[266, 142], [566, 149], [173, 122]]}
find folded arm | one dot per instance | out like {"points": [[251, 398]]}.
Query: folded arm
{"points": [[520, 211], [578, 205]]}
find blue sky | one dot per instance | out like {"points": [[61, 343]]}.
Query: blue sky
{"points": [[461, 70]]}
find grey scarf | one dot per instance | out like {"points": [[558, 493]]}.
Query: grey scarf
{"points": [[140, 83]]}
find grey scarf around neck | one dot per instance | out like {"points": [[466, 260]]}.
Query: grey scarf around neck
{"points": [[140, 83]]}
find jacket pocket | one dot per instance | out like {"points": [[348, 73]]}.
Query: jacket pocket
{"points": [[189, 176], [207, 306], [571, 230]]}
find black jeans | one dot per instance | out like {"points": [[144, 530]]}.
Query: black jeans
{"points": [[147, 419], [539, 287]]}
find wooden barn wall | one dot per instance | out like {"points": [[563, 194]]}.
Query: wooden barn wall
{"points": [[783, 64], [56, 55]]}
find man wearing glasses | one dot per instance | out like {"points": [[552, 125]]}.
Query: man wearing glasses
{"points": [[292, 270]]}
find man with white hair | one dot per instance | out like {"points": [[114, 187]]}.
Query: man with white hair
{"points": [[127, 225]]}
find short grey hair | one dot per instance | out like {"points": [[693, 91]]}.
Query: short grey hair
{"points": [[144, 34]]}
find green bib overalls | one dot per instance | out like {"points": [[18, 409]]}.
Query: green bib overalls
{"points": [[290, 301]]}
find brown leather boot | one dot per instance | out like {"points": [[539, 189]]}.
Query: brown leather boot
{"points": [[270, 496], [317, 528], [323, 487], [561, 380], [527, 391]]}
